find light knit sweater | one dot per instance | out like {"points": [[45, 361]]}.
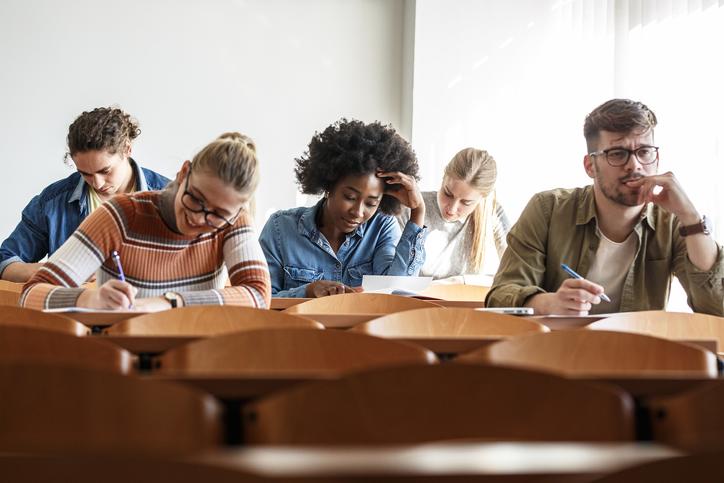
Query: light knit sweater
{"points": [[448, 244]]}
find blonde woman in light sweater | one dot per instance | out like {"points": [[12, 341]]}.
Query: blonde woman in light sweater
{"points": [[462, 217]]}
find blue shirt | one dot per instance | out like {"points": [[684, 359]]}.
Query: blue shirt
{"points": [[298, 253], [53, 215]]}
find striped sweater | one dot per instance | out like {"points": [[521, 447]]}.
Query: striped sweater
{"points": [[155, 259]]}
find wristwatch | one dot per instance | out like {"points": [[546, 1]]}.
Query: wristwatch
{"points": [[172, 298], [704, 226]]}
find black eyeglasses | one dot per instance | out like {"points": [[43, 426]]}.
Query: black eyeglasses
{"points": [[619, 156], [195, 205]]}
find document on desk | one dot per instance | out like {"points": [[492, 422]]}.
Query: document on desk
{"points": [[394, 284]]}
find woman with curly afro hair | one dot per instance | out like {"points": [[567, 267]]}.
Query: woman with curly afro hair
{"points": [[365, 172], [99, 146]]}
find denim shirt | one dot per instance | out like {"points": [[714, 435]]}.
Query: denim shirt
{"points": [[298, 253], [53, 215]]}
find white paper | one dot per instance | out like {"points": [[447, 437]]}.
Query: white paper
{"points": [[389, 284]]}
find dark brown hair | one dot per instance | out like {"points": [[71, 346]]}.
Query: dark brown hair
{"points": [[618, 116], [102, 129]]}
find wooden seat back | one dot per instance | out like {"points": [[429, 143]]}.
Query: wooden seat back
{"points": [[598, 353], [667, 325], [449, 401], [207, 320], [114, 468], [53, 408], [298, 351], [449, 322], [696, 468], [692, 420], [9, 297], [22, 317], [24, 344]]}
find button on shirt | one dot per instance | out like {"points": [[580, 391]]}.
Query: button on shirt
{"points": [[298, 253], [53, 215]]}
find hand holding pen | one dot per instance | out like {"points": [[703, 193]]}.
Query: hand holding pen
{"points": [[112, 295], [125, 290], [574, 297], [573, 274]]}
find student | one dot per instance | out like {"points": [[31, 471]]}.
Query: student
{"points": [[460, 216], [99, 144], [628, 233], [173, 245], [365, 171]]}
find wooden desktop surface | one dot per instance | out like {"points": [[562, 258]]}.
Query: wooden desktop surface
{"points": [[281, 303], [151, 344], [452, 461], [250, 386]]}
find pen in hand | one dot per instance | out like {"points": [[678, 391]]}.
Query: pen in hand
{"points": [[117, 259], [573, 274], [121, 275]]}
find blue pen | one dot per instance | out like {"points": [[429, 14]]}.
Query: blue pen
{"points": [[121, 275], [573, 274], [117, 259]]}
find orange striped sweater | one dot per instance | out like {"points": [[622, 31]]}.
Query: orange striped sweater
{"points": [[155, 259]]}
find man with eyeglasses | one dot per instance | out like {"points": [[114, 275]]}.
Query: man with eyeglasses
{"points": [[626, 234]]}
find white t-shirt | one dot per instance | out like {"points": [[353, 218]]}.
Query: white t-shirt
{"points": [[609, 269]]}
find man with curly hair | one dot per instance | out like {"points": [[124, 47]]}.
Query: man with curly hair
{"points": [[629, 232], [365, 172], [99, 144]]}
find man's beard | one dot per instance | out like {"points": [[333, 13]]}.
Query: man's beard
{"points": [[614, 190]]}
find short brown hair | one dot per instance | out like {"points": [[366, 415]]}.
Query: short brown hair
{"points": [[619, 116]]}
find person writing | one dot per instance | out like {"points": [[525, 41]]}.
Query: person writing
{"points": [[461, 216], [628, 233], [365, 172], [175, 245], [99, 145]]}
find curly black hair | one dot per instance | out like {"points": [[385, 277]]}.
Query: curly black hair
{"points": [[102, 129], [354, 148]]}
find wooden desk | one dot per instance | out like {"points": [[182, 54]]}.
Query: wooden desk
{"points": [[232, 387], [449, 345], [148, 344], [458, 461], [340, 321], [281, 303], [102, 318], [563, 322], [241, 388]]}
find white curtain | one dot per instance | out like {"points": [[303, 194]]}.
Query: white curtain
{"points": [[669, 54], [518, 77]]}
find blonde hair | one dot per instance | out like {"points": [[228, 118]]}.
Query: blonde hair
{"points": [[477, 168], [232, 158]]}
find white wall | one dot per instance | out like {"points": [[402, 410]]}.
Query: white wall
{"points": [[188, 70], [513, 78]]}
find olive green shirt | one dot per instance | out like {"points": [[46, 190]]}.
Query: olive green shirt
{"points": [[560, 226]]}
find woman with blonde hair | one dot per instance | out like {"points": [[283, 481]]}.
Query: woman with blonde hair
{"points": [[461, 217], [163, 249]]}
